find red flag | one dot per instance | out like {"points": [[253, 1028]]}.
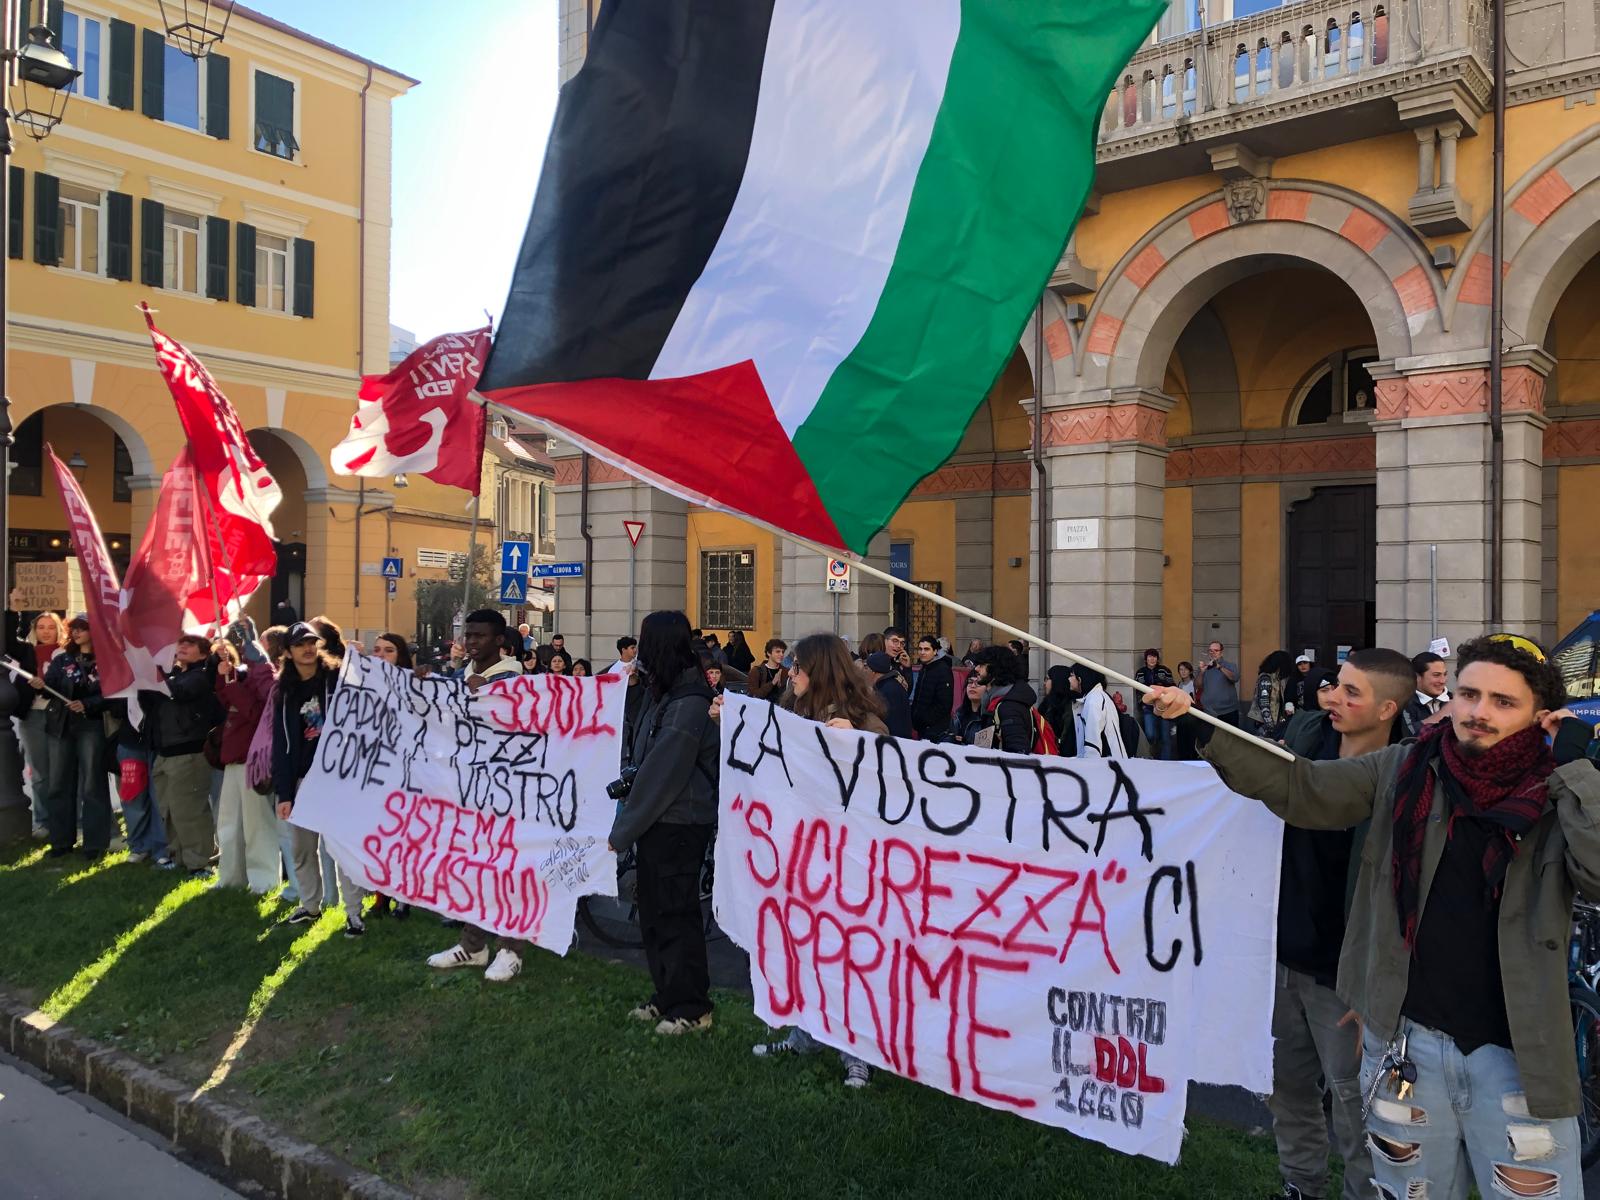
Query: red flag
{"points": [[237, 493], [168, 591], [420, 417], [101, 592]]}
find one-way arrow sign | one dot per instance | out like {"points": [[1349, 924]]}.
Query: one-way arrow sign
{"points": [[514, 558]]}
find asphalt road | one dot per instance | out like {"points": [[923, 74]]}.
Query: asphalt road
{"points": [[62, 1145]]}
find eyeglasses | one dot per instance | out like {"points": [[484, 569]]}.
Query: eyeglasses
{"points": [[1521, 643]]}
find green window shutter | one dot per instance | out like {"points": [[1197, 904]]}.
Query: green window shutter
{"points": [[245, 276], [274, 131], [119, 235], [46, 219], [153, 243], [217, 77], [305, 277], [120, 93], [15, 228], [154, 102], [217, 258], [54, 12]]}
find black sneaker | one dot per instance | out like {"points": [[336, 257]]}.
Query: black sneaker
{"points": [[202, 873], [1291, 1192], [58, 851], [301, 917], [353, 928], [166, 864]]}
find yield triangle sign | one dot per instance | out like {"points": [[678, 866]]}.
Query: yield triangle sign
{"points": [[634, 528]]}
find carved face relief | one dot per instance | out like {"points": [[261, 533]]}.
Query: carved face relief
{"points": [[1246, 199]]}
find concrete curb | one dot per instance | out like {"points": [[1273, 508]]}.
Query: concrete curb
{"points": [[244, 1146]]}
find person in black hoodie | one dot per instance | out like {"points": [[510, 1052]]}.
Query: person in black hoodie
{"points": [[933, 691], [77, 751], [180, 721], [1009, 700], [669, 814], [306, 683], [886, 682], [1314, 1035]]}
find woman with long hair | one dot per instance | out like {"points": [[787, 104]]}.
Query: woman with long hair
{"points": [[738, 653], [1184, 748], [394, 650], [871, 644], [582, 669], [970, 717], [669, 814], [77, 748], [247, 826], [829, 688], [1056, 709], [1099, 724], [558, 664], [47, 637]]}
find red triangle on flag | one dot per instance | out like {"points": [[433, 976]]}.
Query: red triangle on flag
{"points": [[634, 529]]}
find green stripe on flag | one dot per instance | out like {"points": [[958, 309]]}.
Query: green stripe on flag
{"points": [[1008, 167]]}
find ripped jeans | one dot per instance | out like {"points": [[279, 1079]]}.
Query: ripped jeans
{"points": [[1466, 1119]]}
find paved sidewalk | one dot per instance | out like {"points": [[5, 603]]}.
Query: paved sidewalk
{"points": [[62, 1145]]}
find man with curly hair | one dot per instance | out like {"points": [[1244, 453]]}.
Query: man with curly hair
{"points": [[1454, 955]]}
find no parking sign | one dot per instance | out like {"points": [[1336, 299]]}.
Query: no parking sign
{"points": [[838, 575]]}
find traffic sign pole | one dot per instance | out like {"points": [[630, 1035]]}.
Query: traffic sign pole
{"points": [[633, 529]]}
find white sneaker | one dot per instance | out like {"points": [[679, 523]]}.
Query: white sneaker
{"points": [[457, 956], [506, 966]]}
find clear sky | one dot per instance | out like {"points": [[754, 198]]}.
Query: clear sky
{"points": [[468, 141]]}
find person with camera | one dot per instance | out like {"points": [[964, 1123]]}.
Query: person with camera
{"points": [[667, 794]]}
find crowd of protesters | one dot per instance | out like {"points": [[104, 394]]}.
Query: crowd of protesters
{"points": [[1433, 842]]}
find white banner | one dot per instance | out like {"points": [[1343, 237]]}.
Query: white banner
{"points": [[490, 808], [1069, 940]]}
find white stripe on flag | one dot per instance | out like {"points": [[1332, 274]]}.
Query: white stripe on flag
{"points": [[849, 93]]}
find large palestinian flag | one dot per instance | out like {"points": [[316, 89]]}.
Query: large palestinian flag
{"points": [[781, 249]]}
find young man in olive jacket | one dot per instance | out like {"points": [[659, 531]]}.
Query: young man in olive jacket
{"points": [[1454, 956]]}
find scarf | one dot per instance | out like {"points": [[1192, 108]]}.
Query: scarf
{"points": [[1506, 786]]}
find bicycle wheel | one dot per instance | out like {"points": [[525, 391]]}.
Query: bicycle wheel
{"points": [[1586, 1040], [615, 919]]}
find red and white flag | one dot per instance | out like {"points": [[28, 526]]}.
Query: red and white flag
{"points": [[420, 418], [101, 591], [237, 492], [168, 591]]}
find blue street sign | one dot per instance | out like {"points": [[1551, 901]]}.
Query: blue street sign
{"points": [[514, 557], [557, 570], [513, 588], [391, 568], [394, 587]]}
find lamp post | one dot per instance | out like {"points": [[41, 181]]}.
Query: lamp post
{"points": [[39, 101]]}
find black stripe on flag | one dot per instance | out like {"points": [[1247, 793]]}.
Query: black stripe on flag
{"points": [[644, 162]]}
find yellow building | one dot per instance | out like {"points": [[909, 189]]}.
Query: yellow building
{"points": [[246, 197], [1266, 401]]}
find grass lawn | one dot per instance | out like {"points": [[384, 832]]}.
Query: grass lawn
{"points": [[459, 1088]]}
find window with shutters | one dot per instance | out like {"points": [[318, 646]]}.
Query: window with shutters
{"points": [[182, 265], [183, 95], [273, 283], [83, 229], [437, 559], [275, 116], [727, 589], [83, 41]]}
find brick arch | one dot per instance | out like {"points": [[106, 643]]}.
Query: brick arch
{"points": [[1151, 295], [1552, 230]]}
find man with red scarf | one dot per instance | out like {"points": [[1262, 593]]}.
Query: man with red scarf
{"points": [[1454, 954]]}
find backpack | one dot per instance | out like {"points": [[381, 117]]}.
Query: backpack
{"points": [[1044, 737]]}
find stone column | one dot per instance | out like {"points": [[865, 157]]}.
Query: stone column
{"points": [[975, 567], [807, 605], [1106, 461], [661, 569], [1433, 454], [1217, 574]]}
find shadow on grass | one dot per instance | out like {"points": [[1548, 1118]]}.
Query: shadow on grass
{"points": [[454, 1086]]}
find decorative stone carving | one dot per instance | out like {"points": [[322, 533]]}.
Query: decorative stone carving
{"points": [[1246, 199]]}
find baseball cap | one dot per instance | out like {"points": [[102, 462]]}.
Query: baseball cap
{"points": [[880, 663], [1304, 658], [300, 632]]}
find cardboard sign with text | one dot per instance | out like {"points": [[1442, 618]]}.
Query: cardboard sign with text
{"points": [[47, 587], [490, 808], [1069, 940]]}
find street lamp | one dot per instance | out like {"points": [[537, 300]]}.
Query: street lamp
{"points": [[77, 462], [196, 26], [44, 74]]}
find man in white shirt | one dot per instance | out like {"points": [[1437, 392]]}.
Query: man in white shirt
{"points": [[627, 658], [1432, 698]]}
